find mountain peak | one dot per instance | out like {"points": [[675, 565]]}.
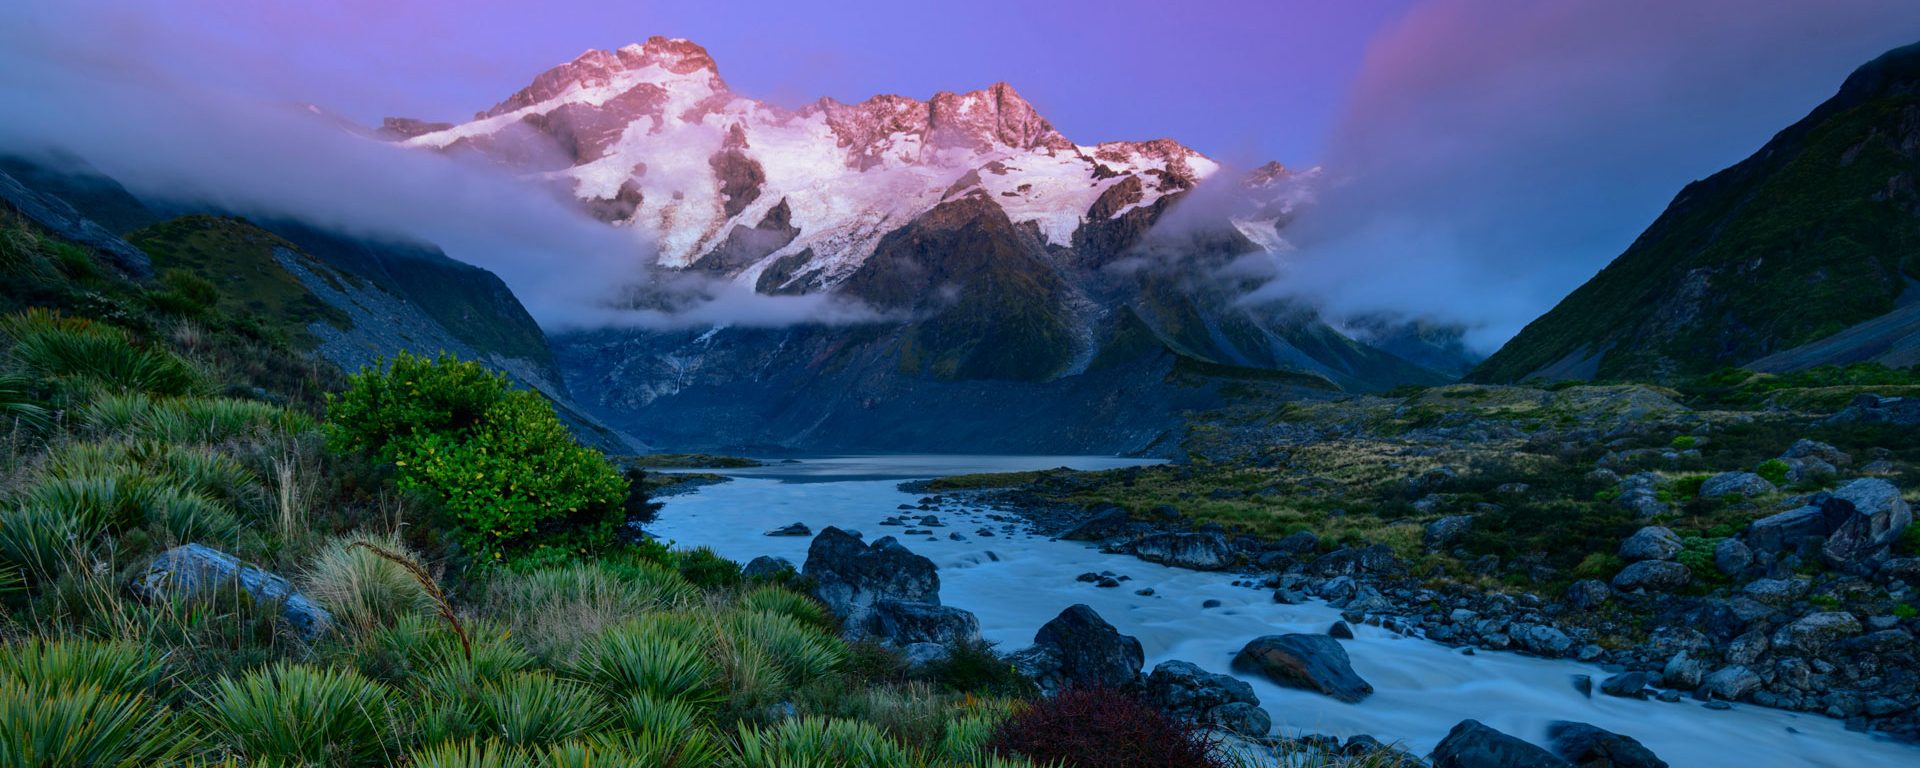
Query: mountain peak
{"points": [[595, 68]]}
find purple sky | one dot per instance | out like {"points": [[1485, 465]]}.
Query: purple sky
{"points": [[1482, 157]]}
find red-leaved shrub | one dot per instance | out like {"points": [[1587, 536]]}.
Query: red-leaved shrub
{"points": [[1099, 728]]}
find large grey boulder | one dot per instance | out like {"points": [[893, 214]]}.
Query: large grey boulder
{"points": [[1813, 632], [1445, 531], [849, 575], [196, 569], [1652, 576], [905, 623], [1731, 557], [1309, 662], [1735, 484], [1729, 683], [1541, 639], [1473, 745], [1785, 530], [1863, 519], [1650, 543], [1590, 746], [768, 567], [1078, 649], [1199, 551], [1184, 690]]}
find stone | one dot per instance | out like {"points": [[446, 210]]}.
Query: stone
{"points": [[1748, 648], [1731, 557], [1735, 484], [1309, 662], [1106, 523], [1775, 592], [1588, 594], [905, 623], [1473, 745], [766, 567], [1626, 685], [1905, 569], [1590, 746], [1445, 531], [1729, 683], [1650, 543], [1785, 530], [195, 569], [1541, 639], [1198, 551], [1340, 631], [794, 529], [849, 575], [1297, 543], [1683, 671], [1184, 690], [1863, 518], [1813, 632], [1814, 449], [1652, 576], [1078, 649]]}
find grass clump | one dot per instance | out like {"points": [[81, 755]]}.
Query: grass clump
{"points": [[296, 714]]}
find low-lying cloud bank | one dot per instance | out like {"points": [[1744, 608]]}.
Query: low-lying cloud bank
{"points": [[119, 99], [1494, 155]]}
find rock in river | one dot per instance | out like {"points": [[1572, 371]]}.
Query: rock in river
{"points": [[794, 529], [1311, 662], [1473, 745], [1184, 690], [1078, 649], [1593, 747], [1199, 551], [855, 579]]}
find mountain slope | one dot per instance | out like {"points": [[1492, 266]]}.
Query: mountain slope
{"points": [[1817, 233]]}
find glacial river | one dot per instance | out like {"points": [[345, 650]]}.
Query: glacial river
{"points": [[1015, 582]]}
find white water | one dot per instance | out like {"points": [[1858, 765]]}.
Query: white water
{"points": [[1421, 689]]}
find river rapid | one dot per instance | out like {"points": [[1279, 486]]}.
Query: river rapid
{"points": [[1016, 581]]}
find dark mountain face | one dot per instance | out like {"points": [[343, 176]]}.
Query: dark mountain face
{"points": [[1800, 255]]}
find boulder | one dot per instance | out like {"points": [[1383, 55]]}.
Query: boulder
{"points": [[849, 575], [1106, 523], [1863, 519], [1775, 592], [1735, 484], [1310, 662], [1447, 530], [1541, 639], [1078, 649], [1814, 449], [1813, 632], [1626, 685], [768, 567], [1589, 746], [196, 569], [1652, 576], [1184, 690], [1198, 551], [1650, 543], [1640, 494], [1473, 745], [1588, 594], [1785, 530], [1905, 569], [1296, 543], [921, 655], [793, 529], [1731, 557], [1683, 671], [1729, 683], [906, 623]]}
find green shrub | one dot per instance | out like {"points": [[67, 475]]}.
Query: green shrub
{"points": [[707, 569], [293, 714], [977, 669], [1774, 470], [85, 726], [1598, 565], [1905, 611], [501, 463], [1684, 442]]}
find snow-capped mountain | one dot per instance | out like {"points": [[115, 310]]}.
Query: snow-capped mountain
{"points": [[650, 136], [1027, 276]]}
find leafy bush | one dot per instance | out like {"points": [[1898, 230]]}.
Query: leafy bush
{"points": [[305, 715], [1102, 729], [499, 460], [976, 668], [1774, 470], [1684, 442]]}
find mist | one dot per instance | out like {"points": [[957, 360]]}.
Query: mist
{"points": [[137, 107], [1494, 155]]}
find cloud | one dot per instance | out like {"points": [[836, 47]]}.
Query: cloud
{"points": [[139, 107], [1493, 155]]}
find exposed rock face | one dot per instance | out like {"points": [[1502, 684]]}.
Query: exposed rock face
{"points": [[850, 577], [61, 219], [1652, 576], [1863, 519], [1310, 662], [1651, 543], [767, 567], [195, 569], [906, 623], [1078, 649], [1785, 530], [1473, 745], [1199, 551], [1589, 746], [1186, 691], [1735, 484]]}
